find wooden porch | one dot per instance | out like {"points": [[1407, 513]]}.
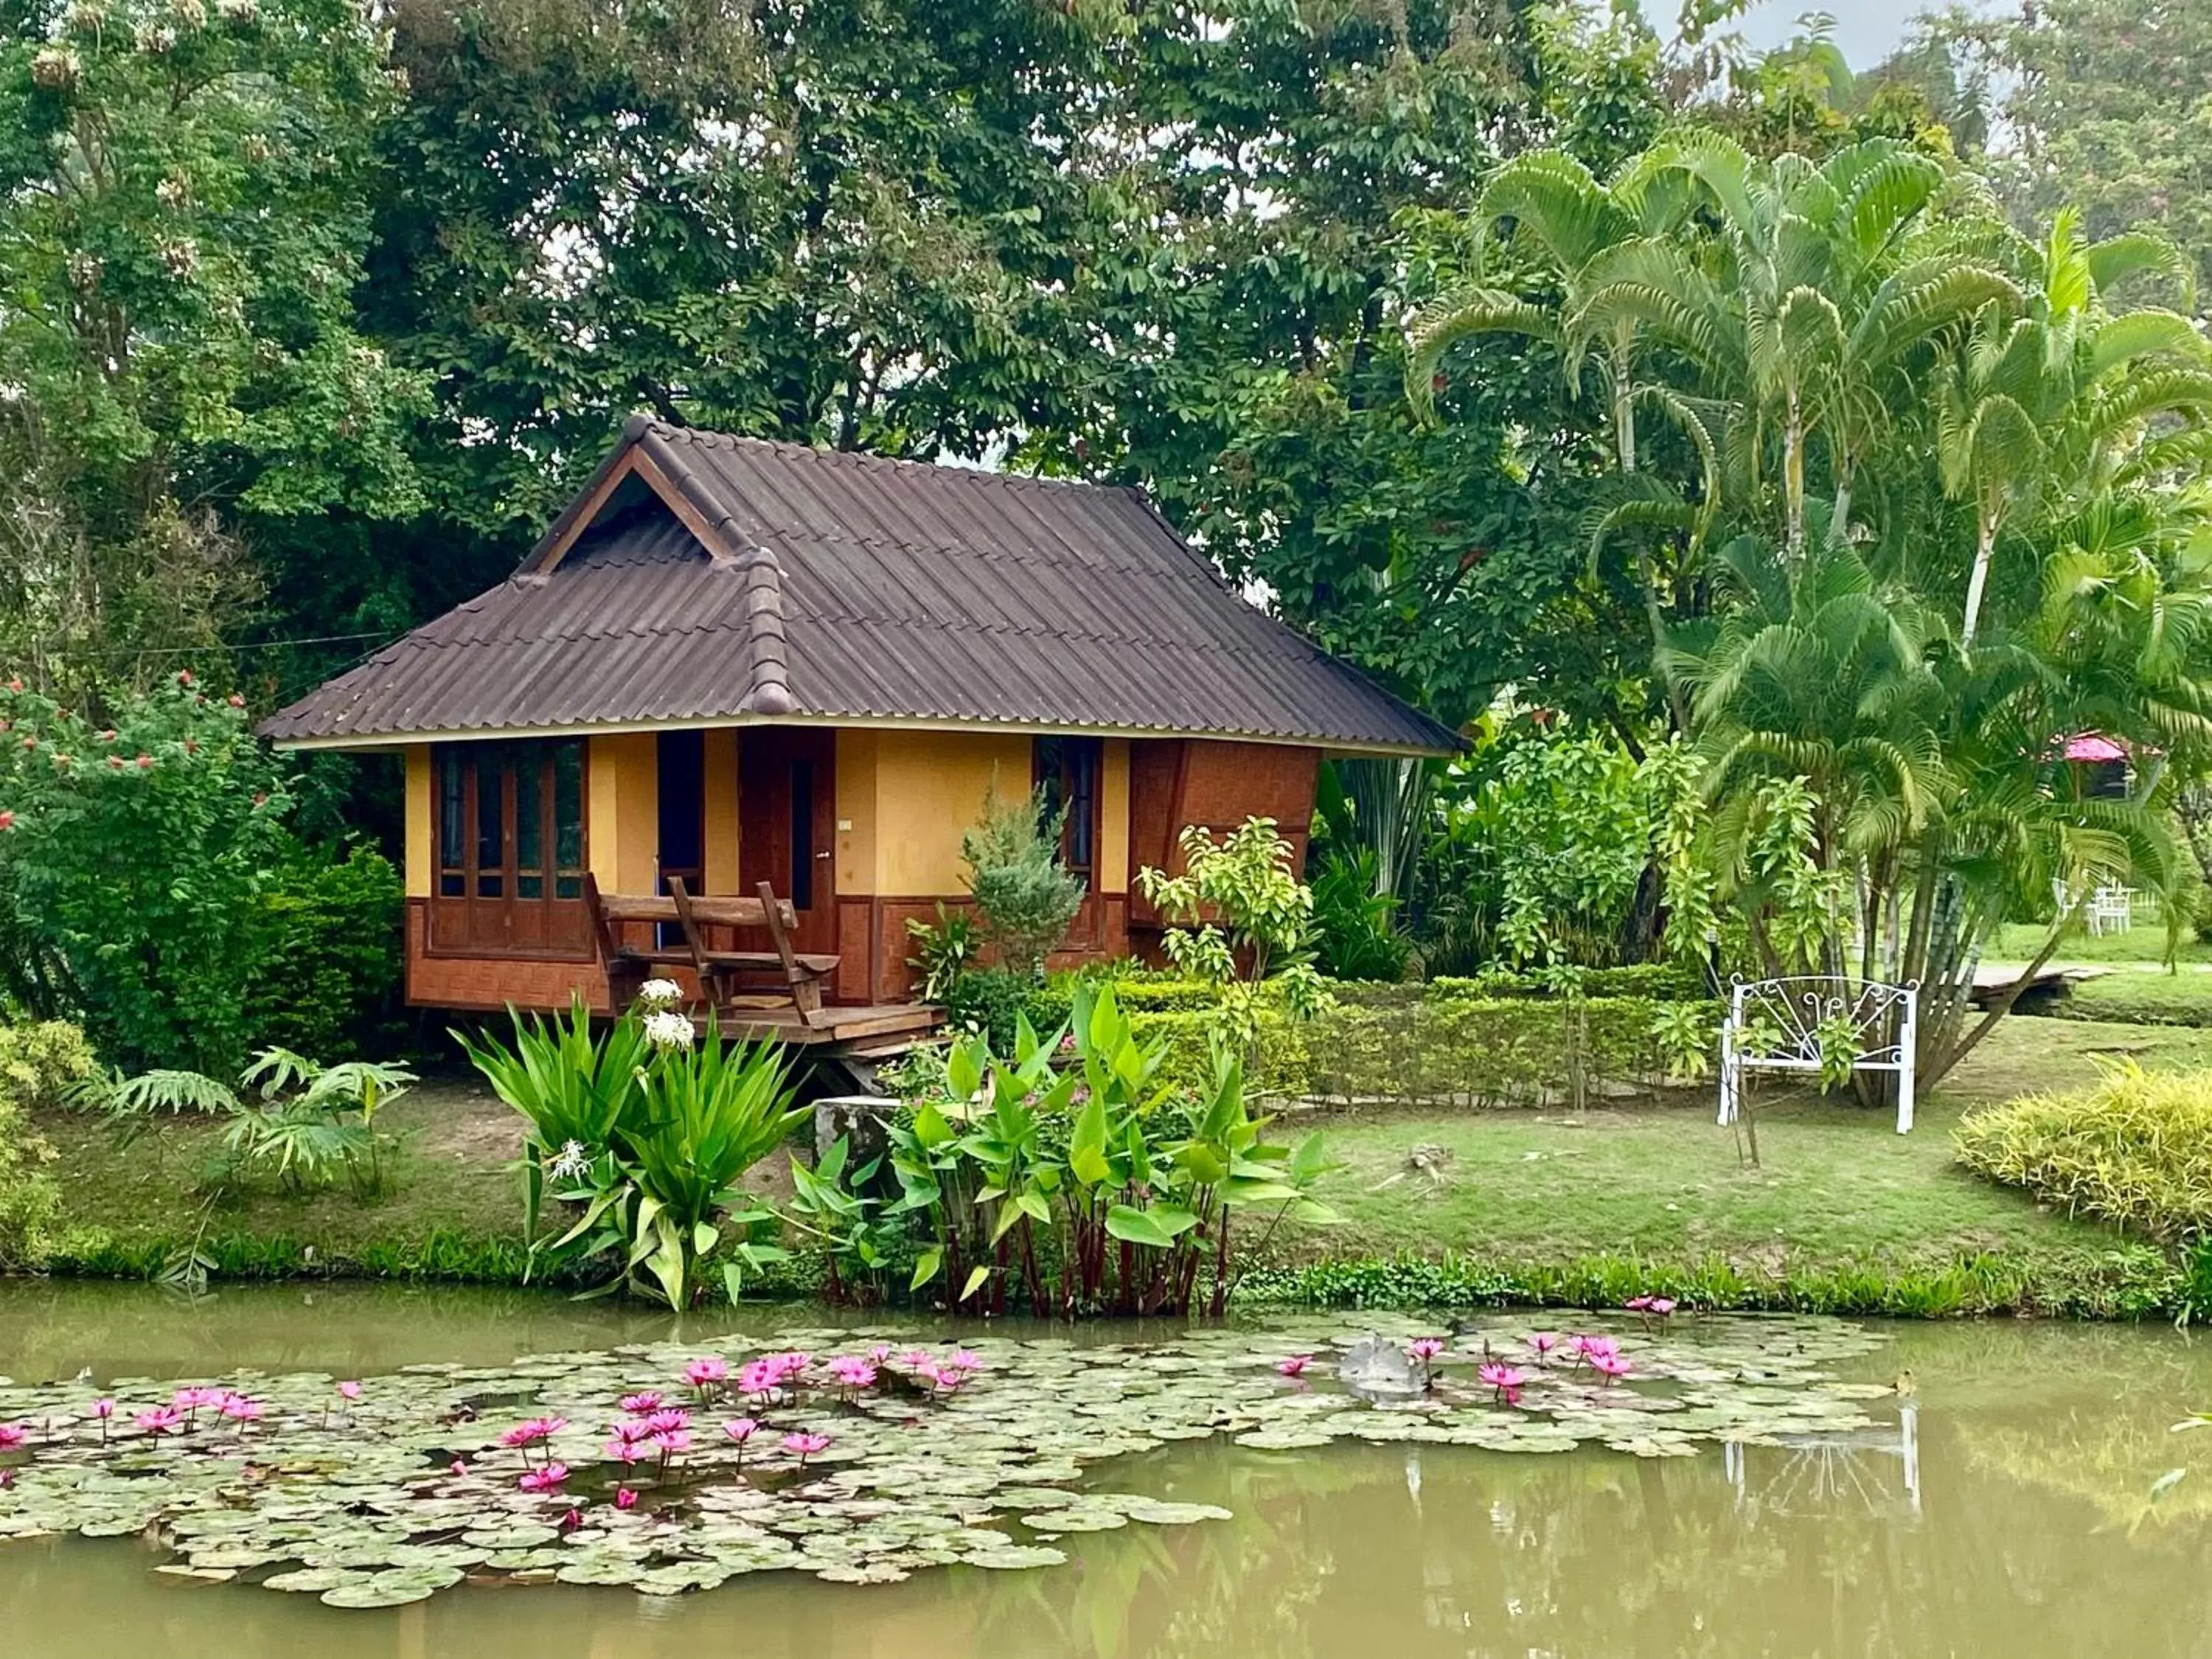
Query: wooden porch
{"points": [[886, 1028]]}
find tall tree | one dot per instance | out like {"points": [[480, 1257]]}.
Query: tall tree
{"points": [[187, 191], [2106, 105]]}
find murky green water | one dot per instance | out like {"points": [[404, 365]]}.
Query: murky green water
{"points": [[2003, 1509]]}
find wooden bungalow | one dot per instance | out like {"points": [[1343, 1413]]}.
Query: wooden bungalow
{"points": [[731, 663]]}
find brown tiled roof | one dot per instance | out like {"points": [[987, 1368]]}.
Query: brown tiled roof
{"points": [[850, 588]]}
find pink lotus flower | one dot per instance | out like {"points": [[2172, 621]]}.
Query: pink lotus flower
{"points": [[533, 1430], [1426, 1348], [708, 1373], [947, 1377], [1541, 1344], [741, 1429], [544, 1480], [625, 1499], [457, 1469], [1295, 1365], [805, 1446], [160, 1420], [1611, 1367], [1638, 1303], [103, 1408], [349, 1391], [966, 1360], [640, 1404], [671, 1442], [880, 1354], [12, 1436], [240, 1410], [1662, 1306], [790, 1366], [667, 1421], [916, 1359], [625, 1452]]}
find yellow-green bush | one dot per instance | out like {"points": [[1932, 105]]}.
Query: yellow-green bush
{"points": [[38, 1063], [2136, 1149]]}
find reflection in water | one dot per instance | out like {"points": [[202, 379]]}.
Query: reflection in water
{"points": [[2004, 1510]]}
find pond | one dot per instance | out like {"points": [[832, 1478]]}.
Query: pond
{"points": [[2002, 1504]]}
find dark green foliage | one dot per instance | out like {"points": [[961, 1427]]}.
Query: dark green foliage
{"points": [[326, 978], [136, 851], [1353, 937]]}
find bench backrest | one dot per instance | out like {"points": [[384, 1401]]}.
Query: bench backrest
{"points": [[688, 912]]}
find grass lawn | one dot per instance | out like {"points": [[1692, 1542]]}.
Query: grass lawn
{"points": [[1836, 1192], [450, 1192], [1551, 1204], [2144, 944], [2145, 999]]}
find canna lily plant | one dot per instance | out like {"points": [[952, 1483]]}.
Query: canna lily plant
{"points": [[1128, 1190]]}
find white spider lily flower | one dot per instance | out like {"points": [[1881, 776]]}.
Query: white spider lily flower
{"points": [[660, 993], [570, 1162], [666, 1029]]}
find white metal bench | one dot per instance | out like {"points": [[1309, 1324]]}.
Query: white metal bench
{"points": [[1774, 1025]]}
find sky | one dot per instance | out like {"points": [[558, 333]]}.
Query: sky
{"points": [[1866, 30]]}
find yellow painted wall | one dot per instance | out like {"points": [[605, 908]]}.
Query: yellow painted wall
{"points": [[721, 807], [856, 811], [623, 830], [929, 792], [421, 819], [1114, 817]]}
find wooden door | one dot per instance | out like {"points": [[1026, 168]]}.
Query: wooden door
{"points": [[787, 824]]}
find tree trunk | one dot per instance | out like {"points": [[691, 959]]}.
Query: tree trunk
{"points": [[1984, 546]]}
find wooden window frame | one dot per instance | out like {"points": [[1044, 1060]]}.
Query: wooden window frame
{"points": [[475, 906], [1051, 768]]}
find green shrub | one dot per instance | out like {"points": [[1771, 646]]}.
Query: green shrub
{"points": [[133, 854], [2137, 1149], [326, 975], [1024, 895], [39, 1065]]}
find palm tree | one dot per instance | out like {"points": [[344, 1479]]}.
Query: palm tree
{"points": [[2066, 393]]}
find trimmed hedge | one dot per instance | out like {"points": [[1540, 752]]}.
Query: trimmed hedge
{"points": [[1487, 1042]]}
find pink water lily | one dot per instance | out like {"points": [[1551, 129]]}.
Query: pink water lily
{"points": [[806, 1445], [966, 1359], [545, 1479], [707, 1373], [667, 1422], [160, 1420], [625, 1499], [1587, 1348], [349, 1391], [852, 1373], [1506, 1381], [458, 1468], [1541, 1344], [1295, 1365], [757, 1380], [242, 1411], [103, 1408], [640, 1405], [626, 1452], [1424, 1351], [12, 1436], [1638, 1303], [1662, 1306], [1611, 1367]]}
